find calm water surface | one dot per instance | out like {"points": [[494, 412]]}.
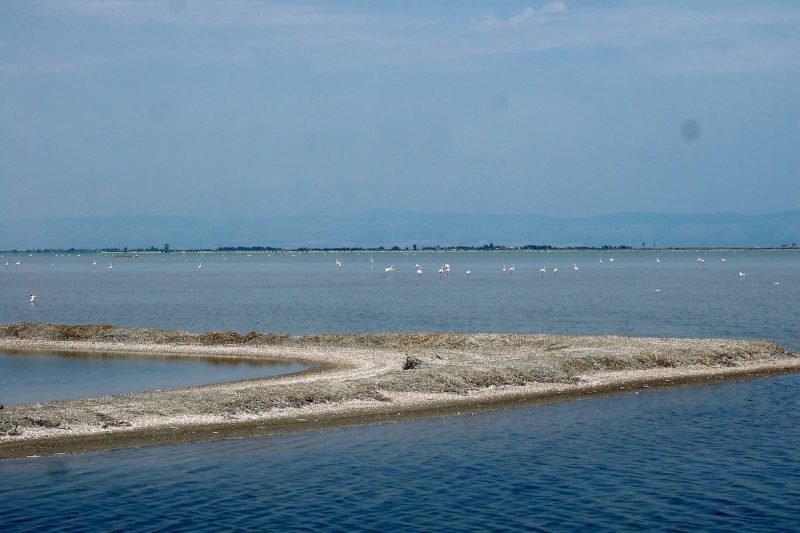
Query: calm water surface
{"points": [[43, 377], [720, 457], [307, 293], [717, 457]]}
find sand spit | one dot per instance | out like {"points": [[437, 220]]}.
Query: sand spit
{"points": [[355, 379]]}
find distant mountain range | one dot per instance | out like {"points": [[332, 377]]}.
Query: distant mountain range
{"points": [[384, 228]]}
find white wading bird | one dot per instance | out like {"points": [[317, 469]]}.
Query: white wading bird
{"points": [[505, 270], [34, 298], [575, 267], [610, 259], [658, 290], [742, 274], [388, 270], [441, 273], [419, 271], [110, 267], [700, 260], [18, 264], [200, 266], [723, 260], [468, 273], [542, 271], [338, 264], [658, 260], [94, 265]]}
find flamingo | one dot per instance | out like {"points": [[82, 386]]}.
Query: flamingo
{"points": [[555, 272], [658, 291], [468, 273], [512, 269], [658, 260], [419, 271], [610, 259], [18, 264], [388, 270], [542, 271], [110, 267], [6, 265], [441, 272], [742, 274], [447, 270], [338, 264], [575, 267], [601, 260], [371, 262], [700, 260], [34, 298], [200, 266], [505, 270], [94, 265]]}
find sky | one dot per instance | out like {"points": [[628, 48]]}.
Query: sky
{"points": [[256, 109]]}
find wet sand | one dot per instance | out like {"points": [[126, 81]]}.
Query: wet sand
{"points": [[355, 379]]}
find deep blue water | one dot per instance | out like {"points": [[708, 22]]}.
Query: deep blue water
{"points": [[721, 457], [43, 377], [718, 457]]}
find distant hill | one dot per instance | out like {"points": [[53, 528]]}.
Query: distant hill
{"points": [[385, 228]]}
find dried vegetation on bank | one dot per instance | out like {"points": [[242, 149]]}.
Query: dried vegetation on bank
{"points": [[366, 367]]}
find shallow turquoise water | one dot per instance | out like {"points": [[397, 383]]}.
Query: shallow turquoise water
{"points": [[43, 377], [722, 457]]}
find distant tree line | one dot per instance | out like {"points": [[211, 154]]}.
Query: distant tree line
{"points": [[247, 249], [454, 248]]}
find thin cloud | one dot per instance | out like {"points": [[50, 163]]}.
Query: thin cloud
{"points": [[526, 16], [736, 59], [10, 68], [727, 37]]}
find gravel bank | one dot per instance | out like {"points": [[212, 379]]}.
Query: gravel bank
{"points": [[355, 379]]}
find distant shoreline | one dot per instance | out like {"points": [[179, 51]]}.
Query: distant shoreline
{"points": [[355, 379], [427, 249]]}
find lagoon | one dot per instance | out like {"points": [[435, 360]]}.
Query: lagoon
{"points": [[305, 293], [717, 457], [43, 377]]}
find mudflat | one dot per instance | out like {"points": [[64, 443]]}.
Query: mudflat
{"points": [[354, 379]]}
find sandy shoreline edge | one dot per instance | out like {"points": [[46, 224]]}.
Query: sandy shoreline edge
{"points": [[354, 379]]}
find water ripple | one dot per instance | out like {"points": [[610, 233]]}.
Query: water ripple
{"points": [[721, 457]]}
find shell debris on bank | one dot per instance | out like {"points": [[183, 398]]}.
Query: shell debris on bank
{"points": [[355, 378]]}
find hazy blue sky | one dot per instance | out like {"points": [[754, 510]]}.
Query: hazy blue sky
{"points": [[254, 108]]}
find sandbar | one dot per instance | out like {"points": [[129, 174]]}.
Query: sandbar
{"points": [[354, 379]]}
